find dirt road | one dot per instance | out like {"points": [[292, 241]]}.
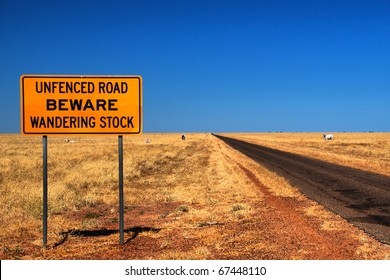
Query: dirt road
{"points": [[360, 197]]}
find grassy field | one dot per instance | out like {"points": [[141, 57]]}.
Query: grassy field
{"points": [[84, 175], [184, 199]]}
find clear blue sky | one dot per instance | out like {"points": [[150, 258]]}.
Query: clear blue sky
{"points": [[212, 65]]}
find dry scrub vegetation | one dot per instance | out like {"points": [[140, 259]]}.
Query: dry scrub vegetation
{"points": [[192, 199]]}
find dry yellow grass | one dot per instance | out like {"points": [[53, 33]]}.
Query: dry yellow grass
{"points": [[210, 198], [84, 174]]}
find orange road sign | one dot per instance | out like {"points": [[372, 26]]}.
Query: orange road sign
{"points": [[58, 105]]}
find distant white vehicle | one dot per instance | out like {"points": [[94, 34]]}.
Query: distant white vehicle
{"points": [[70, 141], [328, 136]]}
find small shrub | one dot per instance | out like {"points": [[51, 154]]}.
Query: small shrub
{"points": [[238, 207], [183, 209], [91, 215]]}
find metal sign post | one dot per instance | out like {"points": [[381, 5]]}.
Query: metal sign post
{"points": [[121, 203], [81, 105], [44, 211]]}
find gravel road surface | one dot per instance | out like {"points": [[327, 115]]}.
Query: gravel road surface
{"points": [[360, 197]]}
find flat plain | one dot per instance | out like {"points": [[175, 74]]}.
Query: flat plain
{"points": [[183, 199]]}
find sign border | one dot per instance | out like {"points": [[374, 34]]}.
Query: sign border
{"points": [[79, 76]]}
